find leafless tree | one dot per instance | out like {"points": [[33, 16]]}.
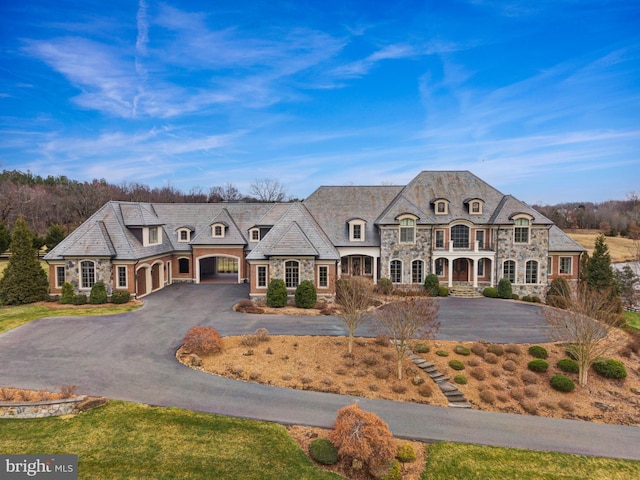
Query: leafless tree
{"points": [[224, 193], [415, 317], [585, 325], [354, 295], [267, 190]]}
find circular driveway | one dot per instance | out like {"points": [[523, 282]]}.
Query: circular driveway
{"points": [[132, 357]]}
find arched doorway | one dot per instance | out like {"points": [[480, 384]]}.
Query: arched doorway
{"points": [[461, 270], [219, 269]]}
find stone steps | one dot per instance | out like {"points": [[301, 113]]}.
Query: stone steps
{"points": [[464, 291]]}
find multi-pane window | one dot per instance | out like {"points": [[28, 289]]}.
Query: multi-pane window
{"points": [[323, 276], [549, 265], [476, 207], [460, 236], [60, 277], [368, 266], [521, 231], [531, 272], [439, 238], [121, 276], [407, 230], [291, 274], [417, 271], [481, 267], [441, 207], [357, 231], [395, 271], [262, 276], [440, 267], [184, 236], [87, 274], [255, 235], [344, 265], [480, 238], [153, 235], [509, 271], [218, 231], [565, 265], [183, 265]]}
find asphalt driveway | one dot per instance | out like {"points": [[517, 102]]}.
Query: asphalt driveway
{"points": [[131, 357]]}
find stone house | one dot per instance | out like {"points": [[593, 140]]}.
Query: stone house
{"points": [[450, 223]]}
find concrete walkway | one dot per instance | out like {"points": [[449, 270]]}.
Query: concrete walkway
{"points": [[131, 357]]}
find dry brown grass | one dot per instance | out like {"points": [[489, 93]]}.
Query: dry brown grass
{"points": [[621, 249]]}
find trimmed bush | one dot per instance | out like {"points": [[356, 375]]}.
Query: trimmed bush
{"points": [[394, 471], [461, 350], [479, 349], [79, 299], [202, 340], [442, 353], [558, 301], [98, 294], [568, 365], [277, 293], [488, 396], [385, 286], [491, 358], [456, 364], [527, 298], [496, 349], [306, 296], [538, 365], [490, 292], [479, 373], [120, 296], [432, 285], [425, 390], [406, 453], [66, 297], [443, 291], [538, 352], [323, 451], [610, 368], [504, 288], [421, 347], [562, 383], [528, 377], [510, 366], [460, 379]]}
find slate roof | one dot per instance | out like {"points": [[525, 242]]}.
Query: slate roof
{"points": [[561, 242]]}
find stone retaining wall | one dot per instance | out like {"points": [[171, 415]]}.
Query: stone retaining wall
{"points": [[49, 408]]}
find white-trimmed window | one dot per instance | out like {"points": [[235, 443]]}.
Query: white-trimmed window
{"points": [[87, 274], [531, 272], [60, 276], [291, 274], [460, 236], [356, 230], [521, 230], [153, 236], [261, 276], [549, 265], [323, 276], [441, 207], [475, 207], [121, 276], [184, 235], [417, 271], [395, 271], [481, 267], [440, 267], [439, 239], [509, 270], [480, 235], [407, 230], [254, 235], [217, 230], [566, 266]]}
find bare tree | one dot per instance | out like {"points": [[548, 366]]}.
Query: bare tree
{"points": [[353, 294], [224, 193], [412, 318], [585, 326], [267, 190]]}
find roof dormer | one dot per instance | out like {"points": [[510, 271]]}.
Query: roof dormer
{"points": [[440, 206], [185, 233], [356, 229], [218, 229], [474, 205]]}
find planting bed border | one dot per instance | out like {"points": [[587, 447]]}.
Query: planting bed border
{"points": [[49, 408]]}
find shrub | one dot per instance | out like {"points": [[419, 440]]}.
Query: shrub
{"points": [[562, 383], [370, 360], [536, 299], [421, 347], [504, 288], [559, 287], [406, 453], [568, 365], [277, 293], [496, 372], [323, 451], [249, 340], [566, 405], [529, 377], [510, 366], [610, 368], [382, 340], [473, 362], [527, 298], [374, 387], [517, 393], [393, 471], [513, 348], [79, 299], [531, 391], [479, 373], [98, 294], [120, 297], [538, 365], [306, 296], [443, 291], [442, 353], [425, 390], [399, 387], [496, 349], [529, 406], [538, 352], [488, 396], [432, 285], [558, 301], [456, 364], [515, 296], [385, 286], [460, 379], [202, 341], [479, 349], [363, 436], [66, 297], [491, 358], [262, 334], [490, 292], [461, 350]]}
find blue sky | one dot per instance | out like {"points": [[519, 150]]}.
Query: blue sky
{"points": [[539, 98]]}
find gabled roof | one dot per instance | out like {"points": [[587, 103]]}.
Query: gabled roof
{"points": [[232, 234], [402, 205], [139, 215], [561, 242], [510, 206]]}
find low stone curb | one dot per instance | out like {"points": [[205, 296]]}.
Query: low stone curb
{"points": [[455, 397], [50, 408]]}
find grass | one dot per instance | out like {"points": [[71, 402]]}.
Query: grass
{"points": [[130, 441], [633, 320], [621, 249], [12, 317], [461, 461]]}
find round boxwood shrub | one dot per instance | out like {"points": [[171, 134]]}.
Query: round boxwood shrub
{"points": [[538, 352], [323, 451], [504, 288], [461, 350], [610, 368], [98, 294], [443, 291], [568, 365], [385, 286], [306, 296], [562, 383], [394, 471], [442, 353], [432, 285], [460, 379], [406, 453], [79, 299], [120, 296], [421, 347], [490, 292], [456, 364], [67, 294], [277, 293], [538, 365]]}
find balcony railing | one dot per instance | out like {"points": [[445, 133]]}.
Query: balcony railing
{"points": [[473, 247]]}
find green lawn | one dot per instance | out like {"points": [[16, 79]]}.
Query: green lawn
{"points": [[633, 320]]}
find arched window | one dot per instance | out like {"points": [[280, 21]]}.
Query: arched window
{"points": [[407, 230], [460, 236], [395, 271], [87, 274], [509, 270], [531, 275], [417, 271], [291, 274], [183, 265]]}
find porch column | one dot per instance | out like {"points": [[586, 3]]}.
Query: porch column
{"points": [[493, 272], [475, 273], [450, 272], [374, 269]]}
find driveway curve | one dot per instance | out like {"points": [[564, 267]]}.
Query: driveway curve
{"points": [[132, 357]]}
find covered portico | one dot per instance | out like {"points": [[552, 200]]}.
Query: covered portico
{"points": [[465, 266]]}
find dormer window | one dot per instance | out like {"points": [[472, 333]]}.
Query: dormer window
{"points": [[441, 207], [522, 226], [254, 235], [217, 230], [475, 207], [151, 236], [356, 230], [407, 229], [184, 235]]}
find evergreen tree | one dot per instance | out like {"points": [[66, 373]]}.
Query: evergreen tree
{"points": [[5, 238], [55, 235], [599, 274], [24, 280]]}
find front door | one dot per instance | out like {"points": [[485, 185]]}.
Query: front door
{"points": [[461, 270]]}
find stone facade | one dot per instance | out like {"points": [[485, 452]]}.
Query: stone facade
{"points": [[392, 249], [103, 269], [51, 408]]}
